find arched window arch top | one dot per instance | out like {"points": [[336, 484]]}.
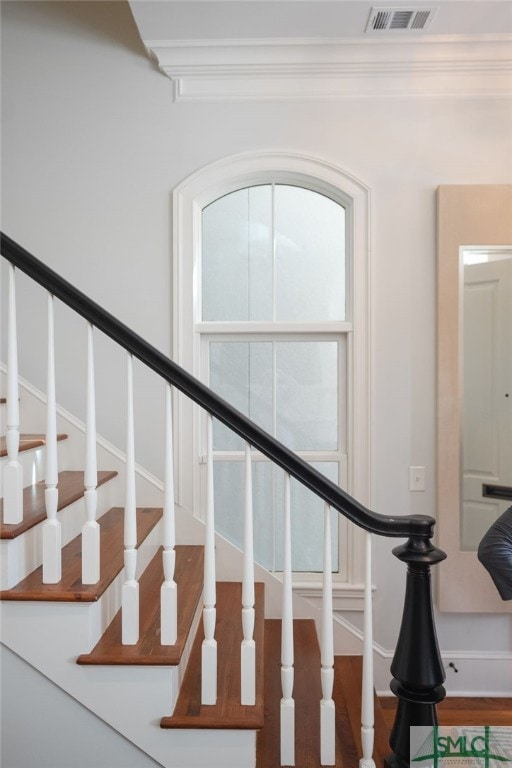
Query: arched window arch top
{"points": [[230, 174], [246, 170], [274, 252]]}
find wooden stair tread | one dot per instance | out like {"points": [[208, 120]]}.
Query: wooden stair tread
{"points": [[348, 675], [227, 713], [27, 442], [149, 651], [70, 588], [71, 488], [307, 692]]}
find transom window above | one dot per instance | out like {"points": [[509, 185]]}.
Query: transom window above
{"points": [[273, 252]]}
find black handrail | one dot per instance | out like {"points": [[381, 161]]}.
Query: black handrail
{"points": [[402, 526]]}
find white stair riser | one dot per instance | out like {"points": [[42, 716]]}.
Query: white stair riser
{"points": [[22, 555], [95, 616], [33, 467]]}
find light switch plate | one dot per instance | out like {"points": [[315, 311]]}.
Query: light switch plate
{"points": [[416, 478]]}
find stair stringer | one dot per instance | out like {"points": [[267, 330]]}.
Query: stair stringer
{"points": [[131, 699], [88, 739], [50, 637]]}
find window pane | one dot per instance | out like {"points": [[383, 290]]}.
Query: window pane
{"points": [[268, 499], [229, 378], [283, 264], [241, 373], [310, 256], [237, 256], [229, 492], [305, 377], [260, 253], [307, 523], [228, 487], [263, 513], [307, 395]]}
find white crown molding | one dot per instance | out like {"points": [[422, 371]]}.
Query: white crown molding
{"points": [[337, 68], [392, 41]]}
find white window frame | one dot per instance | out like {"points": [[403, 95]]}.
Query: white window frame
{"points": [[188, 200]]}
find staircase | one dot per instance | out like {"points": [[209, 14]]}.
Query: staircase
{"points": [[184, 657], [234, 690]]}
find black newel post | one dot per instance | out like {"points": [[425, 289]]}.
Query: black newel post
{"points": [[417, 669]]}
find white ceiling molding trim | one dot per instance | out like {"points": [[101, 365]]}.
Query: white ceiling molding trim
{"points": [[277, 69]]}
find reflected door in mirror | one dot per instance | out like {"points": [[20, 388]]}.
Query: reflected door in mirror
{"points": [[487, 390]]}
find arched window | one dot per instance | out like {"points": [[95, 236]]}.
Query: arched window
{"points": [[267, 313]]}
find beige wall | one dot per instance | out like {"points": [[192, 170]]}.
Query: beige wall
{"points": [[467, 215]]}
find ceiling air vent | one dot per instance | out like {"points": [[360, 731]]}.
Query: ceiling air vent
{"points": [[394, 18]]}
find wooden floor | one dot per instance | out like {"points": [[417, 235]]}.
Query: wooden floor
{"points": [[461, 711], [347, 697]]}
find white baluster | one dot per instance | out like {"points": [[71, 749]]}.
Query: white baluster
{"points": [[327, 710], [13, 471], [367, 703], [168, 591], [248, 651], [52, 539], [130, 592], [209, 649], [287, 672], [91, 529]]}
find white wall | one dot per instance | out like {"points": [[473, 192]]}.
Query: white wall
{"points": [[92, 148], [49, 729]]}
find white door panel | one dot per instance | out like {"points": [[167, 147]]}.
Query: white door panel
{"points": [[487, 435]]}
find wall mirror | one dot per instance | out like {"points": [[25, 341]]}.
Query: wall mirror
{"points": [[474, 370], [486, 390]]}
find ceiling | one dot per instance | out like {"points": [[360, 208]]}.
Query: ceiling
{"points": [[270, 19]]}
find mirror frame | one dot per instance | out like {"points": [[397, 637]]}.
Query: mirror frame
{"points": [[479, 215]]}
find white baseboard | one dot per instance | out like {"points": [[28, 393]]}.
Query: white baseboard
{"points": [[480, 673]]}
